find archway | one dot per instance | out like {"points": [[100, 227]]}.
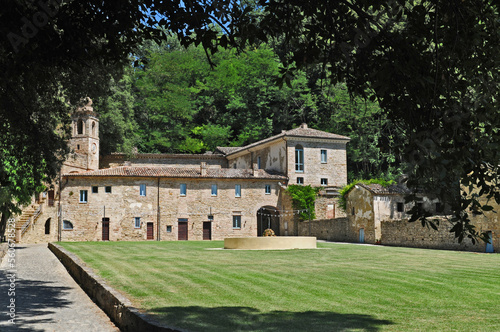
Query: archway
{"points": [[47, 226], [268, 217]]}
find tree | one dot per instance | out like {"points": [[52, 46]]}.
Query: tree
{"points": [[118, 128], [433, 67]]}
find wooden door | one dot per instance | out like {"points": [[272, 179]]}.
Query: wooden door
{"points": [[362, 235], [183, 231], [150, 231], [489, 246], [51, 197], [105, 229], [207, 230]]}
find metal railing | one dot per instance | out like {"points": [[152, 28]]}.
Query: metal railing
{"points": [[31, 219]]}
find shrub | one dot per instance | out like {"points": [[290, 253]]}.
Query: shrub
{"points": [[268, 232], [303, 199]]}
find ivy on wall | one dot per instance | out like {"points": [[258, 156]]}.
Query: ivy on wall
{"points": [[303, 198]]}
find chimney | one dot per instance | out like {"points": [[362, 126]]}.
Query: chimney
{"points": [[303, 125], [255, 169], [203, 169]]}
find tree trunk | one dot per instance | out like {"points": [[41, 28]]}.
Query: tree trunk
{"points": [[3, 224]]}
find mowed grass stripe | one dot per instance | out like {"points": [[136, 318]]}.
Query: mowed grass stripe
{"points": [[340, 287]]}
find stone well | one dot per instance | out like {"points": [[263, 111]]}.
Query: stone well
{"points": [[271, 242]]}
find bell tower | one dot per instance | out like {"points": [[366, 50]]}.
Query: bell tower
{"points": [[84, 142]]}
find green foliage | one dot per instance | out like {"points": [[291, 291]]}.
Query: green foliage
{"points": [[164, 99], [117, 125], [303, 198], [344, 190]]}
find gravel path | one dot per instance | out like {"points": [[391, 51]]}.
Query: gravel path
{"points": [[46, 297]]}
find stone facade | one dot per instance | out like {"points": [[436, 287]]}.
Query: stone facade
{"points": [[84, 144], [163, 207], [334, 170], [171, 196], [380, 214]]}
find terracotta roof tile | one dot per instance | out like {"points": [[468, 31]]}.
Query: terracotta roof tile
{"points": [[179, 172], [296, 132], [394, 189]]}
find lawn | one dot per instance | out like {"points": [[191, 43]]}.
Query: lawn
{"points": [[339, 287]]}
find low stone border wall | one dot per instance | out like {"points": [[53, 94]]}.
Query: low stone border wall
{"points": [[116, 306], [271, 242]]}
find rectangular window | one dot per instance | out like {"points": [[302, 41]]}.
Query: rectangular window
{"points": [[169, 229], [268, 189], [400, 207], [258, 163], [299, 159], [95, 189], [237, 190], [137, 222], [324, 182], [300, 180], [142, 190], [237, 222], [183, 189], [83, 196], [323, 156], [107, 189], [214, 190]]}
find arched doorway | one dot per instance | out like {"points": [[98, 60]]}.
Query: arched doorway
{"points": [[47, 226], [268, 217]]}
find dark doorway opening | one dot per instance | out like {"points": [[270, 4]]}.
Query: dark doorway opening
{"points": [[268, 217], [47, 226]]}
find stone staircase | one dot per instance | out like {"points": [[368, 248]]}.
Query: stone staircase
{"points": [[27, 220]]}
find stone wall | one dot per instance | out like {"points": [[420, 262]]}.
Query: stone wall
{"points": [[405, 234], [114, 304], [334, 170], [272, 157], [326, 207], [75, 162], [36, 231], [327, 229], [124, 204], [360, 215]]}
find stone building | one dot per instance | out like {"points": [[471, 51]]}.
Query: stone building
{"points": [[378, 214], [232, 192]]}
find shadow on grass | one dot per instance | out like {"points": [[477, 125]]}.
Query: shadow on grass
{"points": [[249, 319]]}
